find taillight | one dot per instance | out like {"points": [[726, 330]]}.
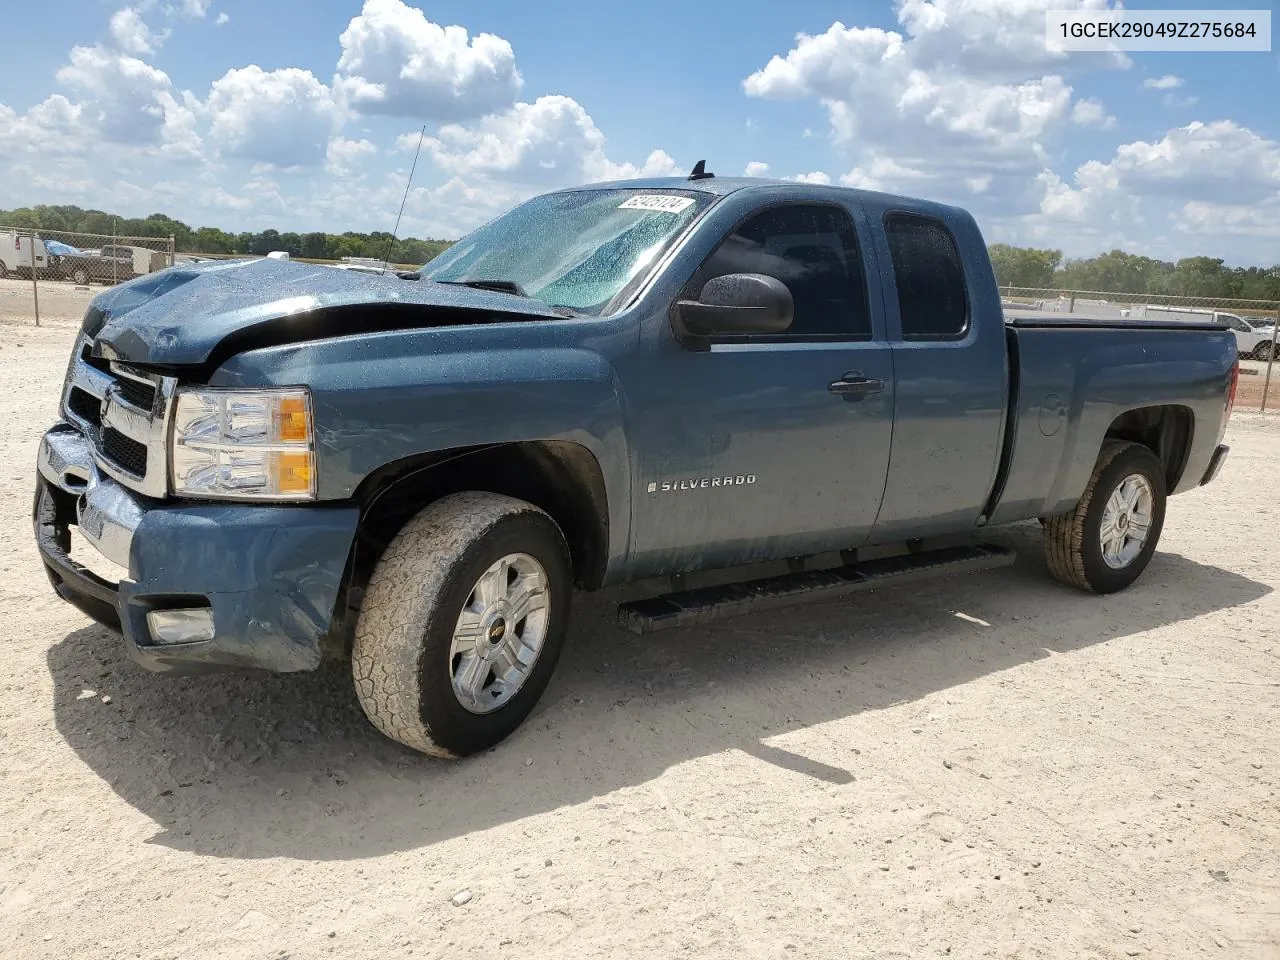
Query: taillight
{"points": [[1231, 393]]}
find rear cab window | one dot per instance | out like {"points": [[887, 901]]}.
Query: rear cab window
{"points": [[933, 302]]}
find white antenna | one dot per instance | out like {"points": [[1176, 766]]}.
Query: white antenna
{"points": [[396, 232]]}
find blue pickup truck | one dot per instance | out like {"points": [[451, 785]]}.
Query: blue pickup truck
{"points": [[814, 388]]}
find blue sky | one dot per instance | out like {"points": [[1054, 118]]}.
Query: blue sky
{"points": [[302, 114]]}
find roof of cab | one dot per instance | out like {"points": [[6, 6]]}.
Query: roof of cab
{"points": [[723, 186]]}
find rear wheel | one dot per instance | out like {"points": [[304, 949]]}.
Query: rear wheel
{"points": [[1107, 541], [462, 624], [81, 277], [4, 271]]}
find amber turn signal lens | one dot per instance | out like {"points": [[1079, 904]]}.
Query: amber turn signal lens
{"points": [[293, 420], [293, 472]]}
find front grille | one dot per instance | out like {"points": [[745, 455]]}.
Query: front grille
{"points": [[141, 395], [85, 406], [128, 433], [127, 453]]}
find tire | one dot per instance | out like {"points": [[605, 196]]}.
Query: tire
{"points": [[404, 660], [4, 271], [80, 277], [1262, 351], [1073, 543]]}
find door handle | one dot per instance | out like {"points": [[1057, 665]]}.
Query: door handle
{"points": [[854, 386]]}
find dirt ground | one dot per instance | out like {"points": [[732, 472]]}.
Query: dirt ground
{"points": [[986, 766], [59, 301], [1253, 384]]}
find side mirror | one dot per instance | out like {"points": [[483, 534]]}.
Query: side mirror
{"points": [[737, 303]]}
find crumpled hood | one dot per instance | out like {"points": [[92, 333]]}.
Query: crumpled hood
{"points": [[181, 315]]}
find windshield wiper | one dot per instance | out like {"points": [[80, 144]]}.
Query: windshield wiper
{"points": [[501, 286]]}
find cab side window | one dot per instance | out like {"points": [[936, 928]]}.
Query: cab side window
{"points": [[932, 300], [813, 249]]}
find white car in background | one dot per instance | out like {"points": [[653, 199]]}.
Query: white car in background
{"points": [[1253, 337]]}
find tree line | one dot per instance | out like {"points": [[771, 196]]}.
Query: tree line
{"points": [[1120, 272], [319, 246]]}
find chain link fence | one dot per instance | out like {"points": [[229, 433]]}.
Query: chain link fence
{"points": [[1254, 323], [55, 273]]}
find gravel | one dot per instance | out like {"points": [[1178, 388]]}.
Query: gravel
{"points": [[719, 792]]}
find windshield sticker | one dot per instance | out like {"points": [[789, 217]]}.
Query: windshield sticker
{"points": [[657, 202]]}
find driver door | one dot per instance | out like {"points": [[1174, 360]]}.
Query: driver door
{"points": [[749, 450]]}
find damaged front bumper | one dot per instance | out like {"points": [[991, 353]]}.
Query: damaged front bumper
{"points": [[271, 576]]}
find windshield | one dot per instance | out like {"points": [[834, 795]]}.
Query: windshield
{"points": [[577, 249]]}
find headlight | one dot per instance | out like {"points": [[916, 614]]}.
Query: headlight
{"points": [[243, 444]]}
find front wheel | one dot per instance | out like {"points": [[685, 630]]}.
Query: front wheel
{"points": [[462, 624], [81, 277], [1106, 542], [1262, 351]]}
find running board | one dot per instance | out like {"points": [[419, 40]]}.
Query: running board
{"points": [[689, 607]]}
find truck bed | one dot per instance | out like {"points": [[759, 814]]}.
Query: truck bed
{"points": [[1073, 377]]}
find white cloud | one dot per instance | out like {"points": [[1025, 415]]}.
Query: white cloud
{"points": [[53, 127], [869, 82], [1092, 198], [506, 157], [131, 35], [1091, 113], [223, 18], [282, 117], [817, 176], [993, 38], [550, 142], [756, 169], [1222, 161], [218, 198], [195, 9], [1217, 219], [348, 158], [179, 134], [1167, 82], [129, 102], [964, 98], [1219, 181], [408, 142], [395, 61], [659, 163], [882, 173]]}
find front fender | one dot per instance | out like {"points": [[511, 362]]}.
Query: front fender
{"points": [[382, 397]]}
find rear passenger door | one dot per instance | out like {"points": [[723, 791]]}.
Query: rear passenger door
{"points": [[951, 360]]}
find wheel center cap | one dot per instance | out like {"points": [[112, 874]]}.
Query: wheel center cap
{"points": [[1122, 522], [497, 630]]}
